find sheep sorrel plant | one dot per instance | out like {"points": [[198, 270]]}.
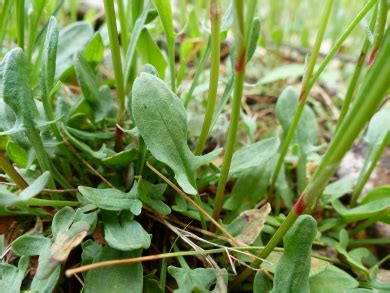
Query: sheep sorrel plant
{"points": [[194, 146]]}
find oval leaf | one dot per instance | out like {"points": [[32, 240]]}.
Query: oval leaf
{"points": [[161, 119], [123, 232], [112, 199]]}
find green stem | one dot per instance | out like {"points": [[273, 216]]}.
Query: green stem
{"points": [[308, 85], [362, 13], [370, 97], [199, 70], [141, 156], [73, 10], [366, 172], [240, 65], [4, 15], [379, 29], [117, 64], [356, 74], [35, 139], [19, 10], [9, 169], [303, 94], [370, 241], [50, 203], [172, 64], [215, 17], [34, 17], [124, 25]]}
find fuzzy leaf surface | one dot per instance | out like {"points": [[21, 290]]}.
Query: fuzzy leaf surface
{"points": [[161, 119]]}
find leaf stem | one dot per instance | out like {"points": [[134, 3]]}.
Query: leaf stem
{"points": [[199, 69], [34, 17], [379, 29], [50, 203], [4, 15], [124, 25], [215, 17], [117, 64], [19, 10], [240, 65]]}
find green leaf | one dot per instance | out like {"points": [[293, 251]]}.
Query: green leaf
{"points": [[7, 198], [89, 87], [161, 119], [165, 12], [254, 155], [17, 154], [48, 284], [379, 193], [152, 195], [112, 199], [49, 60], [227, 19], [16, 88], [151, 53], [36, 187], [198, 280], [152, 286], [307, 130], [94, 52], [123, 232], [292, 271], [12, 277], [353, 257], [100, 154], [186, 48], [18, 95], [31, 245], [363, 211], [122, 159], [378, 128], [281, 73], [91, 250], [72, 39], [138, 26], [332, 279], [261, 283], [62, 220], [90, 136], [118, 279], [337, 189], [250, 187], [253, 39]]}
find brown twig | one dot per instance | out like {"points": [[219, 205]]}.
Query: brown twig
{"points": [[92, 169], [198, 207]]}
